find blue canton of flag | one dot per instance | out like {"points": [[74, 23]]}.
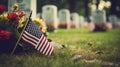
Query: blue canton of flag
{"points": [[34, 36]]}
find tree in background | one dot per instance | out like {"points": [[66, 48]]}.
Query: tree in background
{"points": [[87, 9], [115, 7], [72, 5]]}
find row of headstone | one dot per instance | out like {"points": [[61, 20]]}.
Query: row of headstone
{"points": [[50, 14], [62, 18], [99, 16]]}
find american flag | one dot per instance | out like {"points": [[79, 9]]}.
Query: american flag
{"points": [[34, 36]]}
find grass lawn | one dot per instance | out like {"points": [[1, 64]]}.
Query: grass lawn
{"points": [[98, 49]]}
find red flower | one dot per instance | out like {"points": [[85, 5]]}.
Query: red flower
{"points": [[12, 16], [2, 8], [40, 28], [4, 35], [21, 13]]}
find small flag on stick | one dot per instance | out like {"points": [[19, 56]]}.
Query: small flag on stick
{"points": [[32, 35], [35, 37]]}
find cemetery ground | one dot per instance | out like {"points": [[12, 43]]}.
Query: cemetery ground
{"points": [[81, 49]]}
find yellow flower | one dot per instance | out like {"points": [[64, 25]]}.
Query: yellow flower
{"points": [[38, 21], [41, 23], [20, 21], [15, 7], [44, 29], [3, 16]]}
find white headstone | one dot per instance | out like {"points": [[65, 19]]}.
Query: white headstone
{"points": [[81, 21], [113, 20], [75, 19], [25, 5], [49, 14], [99, 16], [64, 17]]}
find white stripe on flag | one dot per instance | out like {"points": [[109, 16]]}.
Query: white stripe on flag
{"points": [[28, 41]]}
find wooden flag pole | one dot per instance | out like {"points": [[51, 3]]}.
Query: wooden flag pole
{"points": [[21, 34]]}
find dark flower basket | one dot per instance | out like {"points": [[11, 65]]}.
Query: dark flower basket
{"points": [[7, 45]]}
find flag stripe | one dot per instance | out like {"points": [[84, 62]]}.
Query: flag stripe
{"points": [[28, 41], [45, 41], [31, 39], [46, 48], [47, 52], [35, 38], [50, 51]]}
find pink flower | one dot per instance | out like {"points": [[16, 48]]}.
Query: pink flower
{"points": [[40, 28], [4, 34], [21, 13], [2, 8]]}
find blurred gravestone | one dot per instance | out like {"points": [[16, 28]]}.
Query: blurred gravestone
{"points": [[81, 21], [113, 20], [64, 18], [99, 16], [24, 5], [49, 14], [75, 20]]}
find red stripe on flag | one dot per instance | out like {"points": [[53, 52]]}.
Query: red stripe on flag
{"points": [[47, 52], [41, 44], [45, 43], [50, 51], [46, 48]]}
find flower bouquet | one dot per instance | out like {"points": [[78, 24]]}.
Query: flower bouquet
{"points": [[11, 24]]}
